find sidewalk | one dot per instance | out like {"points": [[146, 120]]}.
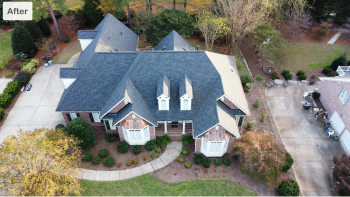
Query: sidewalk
{"points": [[170, 154]]}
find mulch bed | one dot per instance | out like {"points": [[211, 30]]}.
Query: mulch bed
{"points": [[119, 157]]}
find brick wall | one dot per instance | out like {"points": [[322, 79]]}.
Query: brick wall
{"points": [[121, 134], [152, 133], [84, 115], [175, 134], [117, 108], [198, 145], [230, 146], [329, 97], [229, 104]]}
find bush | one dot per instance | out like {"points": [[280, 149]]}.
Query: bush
{"points": [[300, 72], [22, 77], [236, 154], [316, 95], [2, 113], [275, 75], [188, 164], [136, 149], [248, 87], [96, 160], [166, 21], [227, 161], [302, 77], [340, 61], [206, 163], [12, 88], [35, 62], [44, 25], [10, 74], [289, 163], [263, 115], [289, 188], [285, 72], [34, 30], [22, 41], [158, 150], [110, 137], [59, 126], [184, 151], [333, 74], [93, 15], [257, 102], [341, 174], [152, 155], [82, 130], [103, 152], [5, 100], [217, 162], [180, 159], [87, 156], [29, 68], [288, 76], [198, 158], [327, 70], [161, 142], [246, 79], [150, 145], [109, 161], [260, 79], [66, 39], [136, 161], [250, 124], [187, 139], [123, 147]]}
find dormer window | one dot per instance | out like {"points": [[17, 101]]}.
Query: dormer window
{"points": [[185, 90], [163, 93], [163, 104], [185, 104]]}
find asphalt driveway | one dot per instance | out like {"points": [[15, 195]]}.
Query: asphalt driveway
{"points": [[304, 138]]}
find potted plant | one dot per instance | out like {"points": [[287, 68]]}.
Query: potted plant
{"points": [[336, 137]]}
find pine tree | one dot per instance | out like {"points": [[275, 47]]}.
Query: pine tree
{"points": [[23, 42], [34, 30], [93, 15], [43, 24], [340, 61]]}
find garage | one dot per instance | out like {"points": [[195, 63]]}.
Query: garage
{"points": [[337, 123], [345, 139]]}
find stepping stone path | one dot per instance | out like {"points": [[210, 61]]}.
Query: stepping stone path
{"points": [[170, 154], [334, 38]]}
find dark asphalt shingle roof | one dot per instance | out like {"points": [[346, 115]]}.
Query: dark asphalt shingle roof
{"points": [[174, 42], [70, 72], [87, 34]]}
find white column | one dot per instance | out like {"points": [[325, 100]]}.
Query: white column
{"points": [[165, 126], [183, 127]]}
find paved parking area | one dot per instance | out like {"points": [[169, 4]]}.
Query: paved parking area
{"points": [[36, 108], [304, 138]]}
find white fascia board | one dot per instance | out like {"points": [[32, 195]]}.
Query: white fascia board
{"points": [[340, 79], [215, 126], [247, 114], [129, 114]]}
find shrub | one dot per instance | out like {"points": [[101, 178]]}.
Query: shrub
{"points": [[66, 39], [198, 158], [206, 163], [35, 62], [327, 70], [109, 161], [188, 164], [44, 25], [123, 147], [5, 100], [341, 174], [248, 87], [263, 115], [250, 124], [10, 74], [187, 139], [184, 151], [21, 57], [316, 95], [82, 130], [260, 79], [161, 142], [333, 74], [22, 41], [110, 137], [150, 145], [87, 156], [136, 161], [257, 102], [59, 126], [29, 68], [246, 79], [22, 77], [136, 149], [119, 165], [227, 161], [96, 160], [289, 163], [152, 155], [288, 76], [46, 58], [180, 159], [275, 75], [289, 188], [300, 72], [166, 139], [128, 163], [34, 30], [2, 113], [340, 61], [206, 170], [103, 152], [158, 150], [12, 88], [217, 162], [285, 72], [236, 153], [302, 77], [145, 158]]}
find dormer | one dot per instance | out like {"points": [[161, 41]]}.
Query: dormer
{"points": [[86, 37], [163, 93], [186, 93]]}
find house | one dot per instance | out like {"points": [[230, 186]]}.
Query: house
{"points": [[335, 99], [173, 89]]}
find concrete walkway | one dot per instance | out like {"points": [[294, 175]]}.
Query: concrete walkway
{"points": [[304, 138], [172, 151], [334, 38]]}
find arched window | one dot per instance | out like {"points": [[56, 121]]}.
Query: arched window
{"points": [[185, 104], [163, 104]]}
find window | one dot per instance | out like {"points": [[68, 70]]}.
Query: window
{"points": [[205, 144], [73, 115], [96, 119], [215, 147], [135, 134], [111, 125], [344, 96], [163, 105], [125, 133], [145, 133], [185, 104]]}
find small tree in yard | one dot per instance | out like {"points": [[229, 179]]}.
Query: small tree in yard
{"points": [[323, 29], [340, 61], [80, 129], [211, 27], [341, 174], [23, 42], [261, 157], [40, 163]]}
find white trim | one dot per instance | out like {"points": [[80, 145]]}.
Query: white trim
{"points": [[111, 125], [247, 114], [341, 79], [114, 107], [135, 114], [221, 152], [183, 127], [166, 127], [142, 140], [213, 127]]}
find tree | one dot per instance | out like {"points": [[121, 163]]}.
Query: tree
{"points": [[338, 10], [81, 130], [198, 6], [22, 41], [166, 21], [40, 163], [40, 8], [341, 174], [68, 25], [107, 6], [93, 14], [43, 24], [140, 21], [340, 61], [211, 27], [34, 30], [261, 157]]}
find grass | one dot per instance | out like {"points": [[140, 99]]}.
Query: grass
{"points": [[74, 3], [64, 56], [306, 57], [147, 185], [241, 66], [5, 46], [202, 46]]}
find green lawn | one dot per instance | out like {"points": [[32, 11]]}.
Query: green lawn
{"points": [[5, 46], [64, 56], [74, 3], [306, 57], [147, 185]]}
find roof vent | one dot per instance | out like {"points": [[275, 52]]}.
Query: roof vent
{"points": [[163, 48], [121, 33], [111, 50], [108, 38], [185, 49], [231, 70]]}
